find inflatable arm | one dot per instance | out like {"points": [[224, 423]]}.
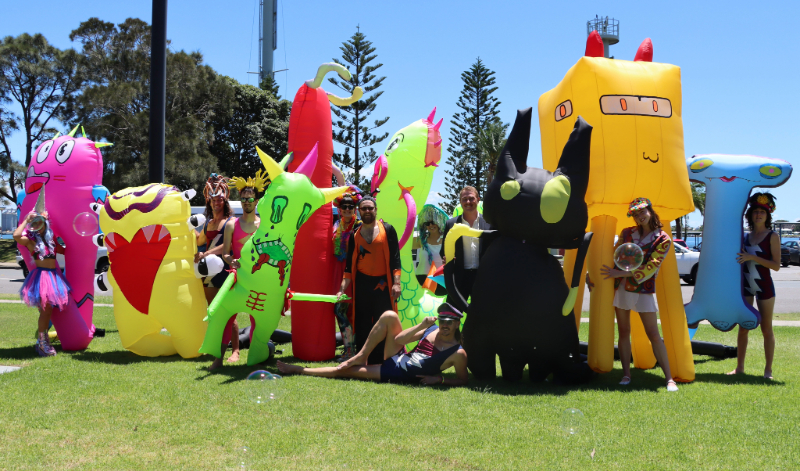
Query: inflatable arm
{"points": [[455, 233], [577, 271]]}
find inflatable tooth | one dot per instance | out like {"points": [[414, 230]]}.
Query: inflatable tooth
{"points": [[259, 286], [310, 127], [72, 170], [151, 252], [403, 174], [637, 151], [729, 179]]}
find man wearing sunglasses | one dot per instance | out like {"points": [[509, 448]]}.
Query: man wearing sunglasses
{"points": [[439, 349], [235, 236], [373, 266]]}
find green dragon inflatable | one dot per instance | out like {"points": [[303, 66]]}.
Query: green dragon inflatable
{"points": [[259, 286]]}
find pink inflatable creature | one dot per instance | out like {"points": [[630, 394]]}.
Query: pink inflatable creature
{"points": [[72, 170]]}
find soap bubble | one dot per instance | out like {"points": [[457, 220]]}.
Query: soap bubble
{"points": [[571, 421], [265, 387], [36, 224], [85, 224], [243, 459], [628, 256]]}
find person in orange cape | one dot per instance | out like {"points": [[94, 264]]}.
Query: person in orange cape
{"points": [[373, 265]]}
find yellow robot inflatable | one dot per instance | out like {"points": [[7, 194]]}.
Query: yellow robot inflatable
{"points": [[637, 151], [149, 234]]}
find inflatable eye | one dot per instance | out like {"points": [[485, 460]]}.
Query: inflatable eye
{"points": [[394, 144], [304, 215], [64, 151], [96, 207], [195, 221], [700, 165], [279, 204], [44, 149], [98, 240], [770, 171], [188, 194], [101, 282], [623, 103], [564, 110]]}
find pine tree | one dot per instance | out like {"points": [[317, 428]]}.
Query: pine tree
{"points": [[467, 164], [350, 127], [269, 84]]}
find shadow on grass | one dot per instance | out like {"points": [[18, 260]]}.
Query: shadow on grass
{"points": [[750, 379], [650, 380], [124, 357]]}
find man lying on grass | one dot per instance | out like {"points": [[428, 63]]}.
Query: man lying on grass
{"points": [[439, 348]]}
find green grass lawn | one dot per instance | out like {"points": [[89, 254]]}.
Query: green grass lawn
{"points": [[106, 408], [8, 250]]}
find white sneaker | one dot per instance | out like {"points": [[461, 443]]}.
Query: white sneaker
{"points": [[671, 386]]}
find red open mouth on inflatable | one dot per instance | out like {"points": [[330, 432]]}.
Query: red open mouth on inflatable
{"points": [[727, 179], [34, 181], [135, 264]]}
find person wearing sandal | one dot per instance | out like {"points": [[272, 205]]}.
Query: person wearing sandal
{"points": [[762, 253], [636, 289]]}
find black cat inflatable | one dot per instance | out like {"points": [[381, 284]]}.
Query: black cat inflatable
{"points": [[520, 298]]}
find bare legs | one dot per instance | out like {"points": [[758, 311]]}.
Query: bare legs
{"points": [[44, 317], [387, 328], [765, 307], [210, 293], [650, 322]]}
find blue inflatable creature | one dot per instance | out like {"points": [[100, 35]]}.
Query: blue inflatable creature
{"points": [[729, 180]]}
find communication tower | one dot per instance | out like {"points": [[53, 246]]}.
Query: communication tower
{"points": [[608, 29]]}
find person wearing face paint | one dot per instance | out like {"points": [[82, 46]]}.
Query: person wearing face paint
{"points": [[635, 290], [235, 235], [468, 249], [45, 286], [373, 266], [762, 253], [439, 349], [343, 230]]}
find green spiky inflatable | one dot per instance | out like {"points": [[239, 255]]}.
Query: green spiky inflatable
{"points": [[259, 286], [404, 174]]}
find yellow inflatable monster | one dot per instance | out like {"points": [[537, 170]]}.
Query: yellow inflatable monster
{"points": [[637, 151], [149, 234]]}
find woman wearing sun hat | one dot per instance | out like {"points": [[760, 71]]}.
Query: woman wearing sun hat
{"points": [[762, 253], [343, 229], [635, 289]]}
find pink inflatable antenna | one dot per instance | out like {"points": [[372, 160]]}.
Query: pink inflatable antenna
{"points": [[309, 163]]}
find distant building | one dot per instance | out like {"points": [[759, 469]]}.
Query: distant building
{"points": [[9, 220]]}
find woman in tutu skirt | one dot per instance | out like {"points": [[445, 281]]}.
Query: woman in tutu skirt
{"points": [[45, 286]]}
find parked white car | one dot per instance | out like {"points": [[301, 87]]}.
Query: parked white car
{"points": [[101, 263], [687, 263]]}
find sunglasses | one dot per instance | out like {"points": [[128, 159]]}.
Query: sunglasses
{"points": [[347, 207], [429, 223], [447, 321], [248, 200], [368, 209]]}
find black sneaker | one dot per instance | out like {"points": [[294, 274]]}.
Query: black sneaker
{"points": [[99, 332]]}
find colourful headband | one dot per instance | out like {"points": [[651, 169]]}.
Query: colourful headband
{"points": [[637, 204], [259, 183], [354, 193], [217, 185], [763, 200]]}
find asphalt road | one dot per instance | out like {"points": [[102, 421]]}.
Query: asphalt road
{"points": [[787, 287]]}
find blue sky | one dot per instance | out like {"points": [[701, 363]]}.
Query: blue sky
{"points": [[738, 59]]}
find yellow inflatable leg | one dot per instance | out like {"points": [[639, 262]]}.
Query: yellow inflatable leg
{"points": [[601, 307], [569, 264], [642, 349], [673, 320]]}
